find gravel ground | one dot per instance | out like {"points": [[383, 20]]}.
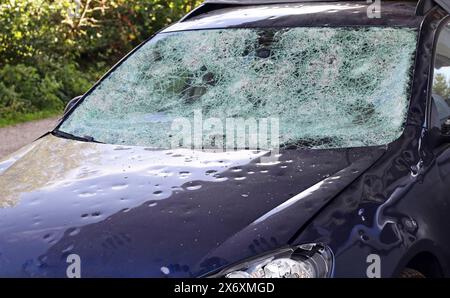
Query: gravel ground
{"points": [[14, 137]]}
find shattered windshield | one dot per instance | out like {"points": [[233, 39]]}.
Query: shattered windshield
{"points": [[315, 87]]}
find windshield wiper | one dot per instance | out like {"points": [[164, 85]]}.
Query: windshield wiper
{"points": [[69, 136], [308, 143]]}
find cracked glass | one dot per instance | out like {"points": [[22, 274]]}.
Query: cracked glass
{"points": [[328, 87]]}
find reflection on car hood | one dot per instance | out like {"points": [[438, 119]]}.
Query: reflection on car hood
{"points": [[130, 211]]}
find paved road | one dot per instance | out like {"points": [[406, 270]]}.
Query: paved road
{"points": [[14, 137]]}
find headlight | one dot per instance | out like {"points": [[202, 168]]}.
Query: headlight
{"points": [[303, 261]]}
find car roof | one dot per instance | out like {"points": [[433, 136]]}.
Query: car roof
{"points": [[296, 13], [422, 5], [256, 2]]}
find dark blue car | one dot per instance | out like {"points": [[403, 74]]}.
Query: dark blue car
{"points": [[250, 139]]}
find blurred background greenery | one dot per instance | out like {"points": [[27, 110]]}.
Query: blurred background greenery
{"points": [[54, 50], [441, 86]]}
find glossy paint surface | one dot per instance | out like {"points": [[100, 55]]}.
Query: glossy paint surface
{"points": [[135, 212], [338, 13], [128, 211]]}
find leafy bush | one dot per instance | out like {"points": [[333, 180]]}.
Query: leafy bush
{"points": [[24, 90], [52, 51]]}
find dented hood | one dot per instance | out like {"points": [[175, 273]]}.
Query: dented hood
{"points": [[133, 211]]}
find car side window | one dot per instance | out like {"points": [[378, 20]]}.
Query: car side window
{"points": [[441, 79]]}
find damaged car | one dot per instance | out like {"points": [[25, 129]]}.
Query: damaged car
{"points": [[251, 139]]}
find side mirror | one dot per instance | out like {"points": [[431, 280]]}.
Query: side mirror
{"points": [[437, 137], [445, 128], [71, 103]]}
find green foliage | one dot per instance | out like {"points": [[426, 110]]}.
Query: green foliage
{"points": [[24, 117], [441, 86], [51, 51], [23, 90]]}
